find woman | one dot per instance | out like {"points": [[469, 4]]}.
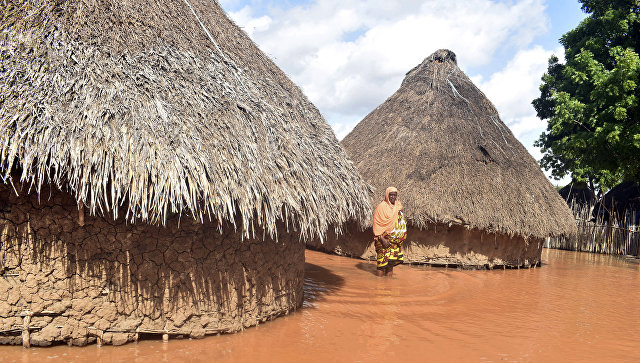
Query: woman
{"points": [[390, 230]]}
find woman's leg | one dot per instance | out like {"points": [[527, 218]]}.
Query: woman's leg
{"points": [[389, 271]]}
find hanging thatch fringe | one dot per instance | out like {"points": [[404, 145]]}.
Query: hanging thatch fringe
{"points": [[159, 108]]}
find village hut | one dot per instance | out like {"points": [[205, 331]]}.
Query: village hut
{"points": [[160, 174], [621, 203], [472, 194], [577, 195]]}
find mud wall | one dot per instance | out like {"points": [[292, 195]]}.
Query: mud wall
{"points": [[442, 245], [110, 281]]}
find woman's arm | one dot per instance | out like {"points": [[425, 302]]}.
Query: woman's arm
{"points": [[385, 242]]}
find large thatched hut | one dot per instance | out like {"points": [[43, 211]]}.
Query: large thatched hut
{"points": [[159, 174], [472, 194]]}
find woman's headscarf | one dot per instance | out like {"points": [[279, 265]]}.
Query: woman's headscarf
{"points": [[386, 214]]}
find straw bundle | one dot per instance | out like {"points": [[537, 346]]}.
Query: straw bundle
{"points": [[165, 107], [442, 143]]}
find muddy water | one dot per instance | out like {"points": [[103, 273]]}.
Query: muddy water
{"points": [[578, 307]]}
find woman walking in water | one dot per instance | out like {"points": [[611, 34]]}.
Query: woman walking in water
{"points": [[390, 230]]}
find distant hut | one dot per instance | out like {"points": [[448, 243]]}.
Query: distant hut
{"points": [[472, 194], [577, 194], [621, 202], [159, 174]]}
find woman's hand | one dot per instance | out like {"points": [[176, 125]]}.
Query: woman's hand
{"points": [[385, 242]]}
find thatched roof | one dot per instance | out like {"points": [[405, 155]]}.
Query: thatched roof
{"points": [[619, 199], [441, 142], [578, 193], [165, 107]]}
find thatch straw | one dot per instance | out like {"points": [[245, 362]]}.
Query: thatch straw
{"points": [[441, 142], [165, 107]]}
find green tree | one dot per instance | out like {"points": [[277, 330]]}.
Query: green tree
{"points": [[591, 101]]}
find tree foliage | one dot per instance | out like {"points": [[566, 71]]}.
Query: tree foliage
{"points": [[591, 102]]}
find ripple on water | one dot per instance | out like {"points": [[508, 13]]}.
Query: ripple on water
{"points": [[576, 307]]}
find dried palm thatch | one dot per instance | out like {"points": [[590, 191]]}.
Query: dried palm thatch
{"points": [[441, 142], [158, 107]]}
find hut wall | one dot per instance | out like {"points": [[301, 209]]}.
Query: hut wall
{"points": [[443, 245], [112, 280]]}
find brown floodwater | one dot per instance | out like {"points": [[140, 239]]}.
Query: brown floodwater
{"points": [[577, 306]]}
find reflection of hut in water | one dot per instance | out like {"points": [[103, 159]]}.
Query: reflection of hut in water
{"points": [[150, 156], [622, 202], [577, 194], [472, 193]]}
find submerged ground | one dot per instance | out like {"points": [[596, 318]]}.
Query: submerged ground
{"points": [[577, 307]]}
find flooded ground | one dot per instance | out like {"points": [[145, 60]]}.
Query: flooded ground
{"points": [[577, 306]]}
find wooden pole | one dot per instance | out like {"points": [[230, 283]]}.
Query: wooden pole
{"points": [[637, 241], [26, 337], [636, 231], [627, 248]]}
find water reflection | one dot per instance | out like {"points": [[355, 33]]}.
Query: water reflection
{"points": [[319, 281], [577, 307]]}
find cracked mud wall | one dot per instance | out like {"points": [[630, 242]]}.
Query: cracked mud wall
{"points": [[442, 245], [110, 279]]}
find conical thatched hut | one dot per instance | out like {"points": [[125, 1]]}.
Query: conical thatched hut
{"points": [[472, 194], [159, 174]]}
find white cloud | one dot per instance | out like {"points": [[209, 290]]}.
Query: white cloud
{"points": [[348, 56], [353, 77], [249, 24], [513, 88]]}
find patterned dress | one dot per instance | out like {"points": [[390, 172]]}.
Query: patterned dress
{"points": [[392, 255]]}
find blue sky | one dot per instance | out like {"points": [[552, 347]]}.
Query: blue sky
{"points": [[348, 56]]}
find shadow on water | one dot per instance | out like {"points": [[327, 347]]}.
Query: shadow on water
{"points": [[368, 267], [318, 282]]}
